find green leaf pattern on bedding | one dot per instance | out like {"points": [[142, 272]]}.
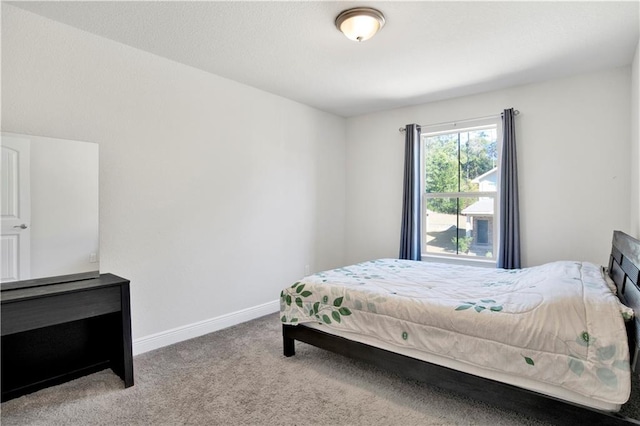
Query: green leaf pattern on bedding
{"points": [[480, 306], [479, 316], [576, 366], [606, 355], [324, 311]]}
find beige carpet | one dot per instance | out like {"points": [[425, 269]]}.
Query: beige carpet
{"points": [[239, 376]]}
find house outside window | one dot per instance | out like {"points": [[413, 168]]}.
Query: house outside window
{"points": [[482, 230], [460, 191]]}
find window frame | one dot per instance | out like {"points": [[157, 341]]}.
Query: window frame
{"points": [[459, 127]]}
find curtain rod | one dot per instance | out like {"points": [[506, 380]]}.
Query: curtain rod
{"points": [[515, 112]]}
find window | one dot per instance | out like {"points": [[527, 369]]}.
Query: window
{"points": [[482, 231], [460, 191]]}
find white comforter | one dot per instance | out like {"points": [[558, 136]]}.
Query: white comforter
{"points": [[557, 323]]}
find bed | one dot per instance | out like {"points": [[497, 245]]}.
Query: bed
{"points": [[551, 341]]}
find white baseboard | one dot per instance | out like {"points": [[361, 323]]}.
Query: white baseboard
{"points": [[178, 334]]}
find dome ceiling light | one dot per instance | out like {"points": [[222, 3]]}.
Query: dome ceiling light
{"points": [[360, 23]]}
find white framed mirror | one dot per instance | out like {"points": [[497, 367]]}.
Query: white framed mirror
{"points": [[50, 212]]}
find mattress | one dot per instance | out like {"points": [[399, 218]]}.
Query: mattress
{"points": [[555, 328]]}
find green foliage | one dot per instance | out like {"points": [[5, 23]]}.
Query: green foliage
{"points": [[452, 161], [464, 243], [477, 157], [441, 164]]}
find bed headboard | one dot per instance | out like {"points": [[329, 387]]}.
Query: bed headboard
{"points": [[624, 270]]}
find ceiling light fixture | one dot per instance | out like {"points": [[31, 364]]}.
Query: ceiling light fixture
{"points": [[360, 23]]}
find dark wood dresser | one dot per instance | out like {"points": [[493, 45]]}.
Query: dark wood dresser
{"points": [[54, 333]]}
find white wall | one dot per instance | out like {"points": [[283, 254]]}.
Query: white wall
{"points": [[573, 143], [213, 195], [635, 144]]}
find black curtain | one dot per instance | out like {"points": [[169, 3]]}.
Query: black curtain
{"points": [[509, 246], [410, 236]]}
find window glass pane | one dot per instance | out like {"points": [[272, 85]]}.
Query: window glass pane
{"points": [[441, 163], [478, 160], [482, 231], [462, 226], [442, 225], [462, 161], [476, 218]]}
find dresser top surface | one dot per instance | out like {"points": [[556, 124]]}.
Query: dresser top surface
{"points": [[18, 294]]}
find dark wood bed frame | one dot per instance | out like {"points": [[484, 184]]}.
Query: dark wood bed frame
{"points": [[624, 264]]}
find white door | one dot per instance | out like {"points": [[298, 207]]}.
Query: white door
{"points": [[16, 209]]}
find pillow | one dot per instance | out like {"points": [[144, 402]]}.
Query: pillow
{"points": [[605, 275], [626, 312]]}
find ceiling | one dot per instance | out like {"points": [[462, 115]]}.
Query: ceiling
{"points": [[427, 50]]}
